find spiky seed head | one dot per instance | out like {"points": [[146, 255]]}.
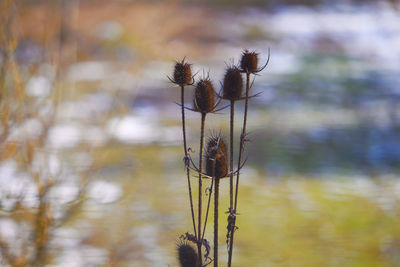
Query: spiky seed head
{"points": [[217, 140], [187, 255], [216, 157], [233, 84], [182, 73], [249, 61], [204, 96]]}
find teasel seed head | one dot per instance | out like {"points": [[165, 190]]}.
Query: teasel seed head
{"points": [[217, 140], [249, 62], [182, 73], [204, 100], [216, 156], [233, 84], [187, 255]]}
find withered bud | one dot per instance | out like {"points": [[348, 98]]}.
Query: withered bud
{"points": [[182, 73], [204, 101], [187, 255], [249, 62], [233, 84], [216, 158]]}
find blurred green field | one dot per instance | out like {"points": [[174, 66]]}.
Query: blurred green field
{"points": [[291, 221]]}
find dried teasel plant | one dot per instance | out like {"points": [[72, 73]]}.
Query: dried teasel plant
{"points": [[249, 62], [218, 162], [204, 103], [204, 96], [233, 84], [187, 255], [216, 157], [248, 65], [217, 168], [182, 73], [232, 89], [182, 76]]}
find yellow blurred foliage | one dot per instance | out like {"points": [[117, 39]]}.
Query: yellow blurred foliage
{"points": [[9, 150]]}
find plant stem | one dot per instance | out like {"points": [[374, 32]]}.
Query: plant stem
{"points": [[231, 154], [216, 196], [208, 206], [187, 158], [209, 200], [203, 120], [242, 141]]}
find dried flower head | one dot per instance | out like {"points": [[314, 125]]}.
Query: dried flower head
{"points": [[217, 140], [187, 255], [233, 84], [204, 100], [182, 73], [216, 158], [249, 62]]}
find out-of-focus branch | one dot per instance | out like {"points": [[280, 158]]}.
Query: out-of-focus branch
{"points": [[9, 258], [43, 224]]}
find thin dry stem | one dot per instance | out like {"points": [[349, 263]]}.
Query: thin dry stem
{"points": [[242, 141], [232, 117], [216, 196], [203, 120], [186, 159], [209, 198], [208, 207]]}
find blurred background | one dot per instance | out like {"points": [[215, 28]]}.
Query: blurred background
{"points": [[91, 170]]}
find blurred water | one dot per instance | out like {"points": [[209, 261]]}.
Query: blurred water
{"points": [[333, 73], [334, 62]]}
